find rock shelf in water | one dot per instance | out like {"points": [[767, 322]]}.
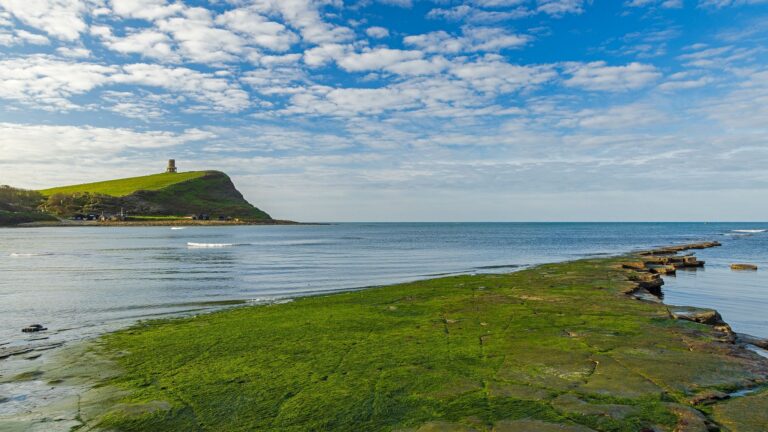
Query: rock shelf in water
{"points": [[751, 267]]}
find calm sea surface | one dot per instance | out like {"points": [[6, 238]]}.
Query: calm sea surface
{"points": [[83, 281]]}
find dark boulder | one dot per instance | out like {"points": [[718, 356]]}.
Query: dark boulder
{"points": [[34, 328]]}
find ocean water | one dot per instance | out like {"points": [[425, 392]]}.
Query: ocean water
{"points": [[82, 281]]}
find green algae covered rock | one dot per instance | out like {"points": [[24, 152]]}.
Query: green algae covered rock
{"points": [[744, 414], [558, 348]]}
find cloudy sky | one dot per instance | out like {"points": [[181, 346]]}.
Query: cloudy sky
{"points": [[390, 110]]}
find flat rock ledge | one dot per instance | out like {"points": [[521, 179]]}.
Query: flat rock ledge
{"points": [[6, 352], [752, 340], [749, 267], [672, 250], [652, 264], [647, 274]]}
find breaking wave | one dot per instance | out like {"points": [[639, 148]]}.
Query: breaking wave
{"points": [[749, 231]]}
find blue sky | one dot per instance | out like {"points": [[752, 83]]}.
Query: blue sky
{"points": [[392, 110]]}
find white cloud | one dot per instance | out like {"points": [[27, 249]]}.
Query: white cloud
{"points": [[726, 3], [488, 11], [492, 74], [419, 66], [145, 9], [147, 43], [73, 52], [5, 19], [375, 59], [377, 32], [321, 55], [196, 34], [62, 19], [50, 83], [598, 76], [401, 62], [666, 4], [720, 57], [399, 3], [276, 79], [304, 15], [29, 142], [473, 39], [478, 15], [622, 118], [351, 101], [744, 109], [198, 38], [19, 37], [214, 93], [560, 7], [685, 81], [140, 105], [498, 3], [258, 30]]}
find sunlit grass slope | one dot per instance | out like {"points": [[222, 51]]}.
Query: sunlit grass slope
{"points": [[194, 192], [127, 186]]}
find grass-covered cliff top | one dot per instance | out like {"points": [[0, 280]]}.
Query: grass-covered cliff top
{"points": [[556, 348], [127, 186], [168, 194]]}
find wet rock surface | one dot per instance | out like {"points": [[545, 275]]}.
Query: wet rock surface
{"points": [[708, 397], [8, 351], [747, 267], [703, 316], [743, 414], [692, 420], [671, 250], [752, 340], [34, 328]]}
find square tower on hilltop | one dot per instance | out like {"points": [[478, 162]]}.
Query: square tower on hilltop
{"points": [[171, 166]]}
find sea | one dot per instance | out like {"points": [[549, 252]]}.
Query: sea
{"points": [[80, 282]]}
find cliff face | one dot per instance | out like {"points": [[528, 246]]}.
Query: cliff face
{"points": [[213, 194]]}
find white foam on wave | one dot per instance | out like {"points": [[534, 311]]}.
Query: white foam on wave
{"points": [[193, 245], [178, 228], [26, 255], [750, 231]]}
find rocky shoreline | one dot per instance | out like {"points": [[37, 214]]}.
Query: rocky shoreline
{"points": [[648, 274]]}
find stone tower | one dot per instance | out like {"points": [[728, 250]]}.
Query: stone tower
{"points": [[171, 166]]}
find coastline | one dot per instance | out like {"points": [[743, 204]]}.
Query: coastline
{"points": [[701, 337], [150, 223]]}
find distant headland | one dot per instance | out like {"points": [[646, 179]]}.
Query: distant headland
{"points": [[169, 198]]}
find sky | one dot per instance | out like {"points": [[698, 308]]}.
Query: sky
{"points": [[401, 110]]}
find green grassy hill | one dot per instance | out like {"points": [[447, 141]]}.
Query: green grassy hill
{"points": [[167, 194], [127, 186], [19, 206]]}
